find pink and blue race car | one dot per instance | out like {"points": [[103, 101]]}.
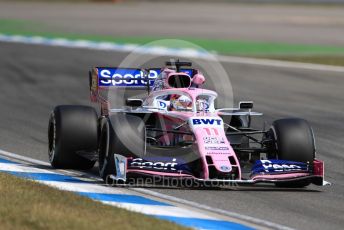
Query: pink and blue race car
{"points": [[174, 131]]}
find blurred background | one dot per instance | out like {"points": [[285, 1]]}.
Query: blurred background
{"points": [[35, 78], [300, 30]]}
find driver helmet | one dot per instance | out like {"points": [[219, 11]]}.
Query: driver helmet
{"points": [[180, 102]]}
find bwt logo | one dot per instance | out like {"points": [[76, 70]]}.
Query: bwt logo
{"points": [[125, 77], [206, 121]]}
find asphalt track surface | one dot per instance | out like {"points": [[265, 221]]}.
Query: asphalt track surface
{"points": [[36, 78]]}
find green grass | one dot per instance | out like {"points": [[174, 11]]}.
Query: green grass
{"points": [[26, 204], [324, 54]]}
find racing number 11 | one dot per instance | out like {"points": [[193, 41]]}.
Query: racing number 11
{"points": [[211, 131]]}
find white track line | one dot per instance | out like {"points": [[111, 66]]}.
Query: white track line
{"points": [[83, 187], [276, 63], [22, 168], [23, 158], [191, 53], [160, 210], [196, 205]]}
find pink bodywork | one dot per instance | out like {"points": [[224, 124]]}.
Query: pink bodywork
{"points": [[279, 176], [220, 158]]}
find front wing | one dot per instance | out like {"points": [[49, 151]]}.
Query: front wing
{"points": [[314, 175]]}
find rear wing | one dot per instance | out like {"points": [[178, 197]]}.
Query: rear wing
{"points": [[107, 78]]}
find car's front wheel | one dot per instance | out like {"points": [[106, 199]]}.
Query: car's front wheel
{"points": [[294, 141], [120, 134]]}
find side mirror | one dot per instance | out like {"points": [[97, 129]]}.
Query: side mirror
{"points": [[245, 104], [134, 102]]}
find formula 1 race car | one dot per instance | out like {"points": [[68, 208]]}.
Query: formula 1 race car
{"points": [[175, 131]]}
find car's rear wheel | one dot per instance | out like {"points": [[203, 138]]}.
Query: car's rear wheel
{"points": [[120, 134], [72, 131], [294, 141]]}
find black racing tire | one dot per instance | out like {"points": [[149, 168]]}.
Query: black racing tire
{"points": [[73, 129], [294, 141], [121, 134]]}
